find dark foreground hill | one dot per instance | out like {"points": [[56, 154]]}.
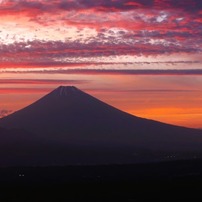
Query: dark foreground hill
{"points": [[68, 126], [165, 181]]}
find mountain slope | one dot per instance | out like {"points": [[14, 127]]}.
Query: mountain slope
{"points": [[68, 119]]}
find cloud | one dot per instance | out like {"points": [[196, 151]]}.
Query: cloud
{"points": [[81, 32], [42, 81], [111, 5], [107, 71], [12, 90], [47, 54], [138, 90]]}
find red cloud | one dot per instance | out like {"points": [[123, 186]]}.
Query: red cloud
{"points": [[144, 27], [44, 6]]}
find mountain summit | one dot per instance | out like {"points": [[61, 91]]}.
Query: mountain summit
{"points": [[66, 91], [70, 126], [64, 109]]}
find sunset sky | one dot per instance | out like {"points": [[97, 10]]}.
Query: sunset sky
{"points": [[141, 56]]}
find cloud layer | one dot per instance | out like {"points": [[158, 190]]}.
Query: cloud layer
{"points": [[81, 32]]}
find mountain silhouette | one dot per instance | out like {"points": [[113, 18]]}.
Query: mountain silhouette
{"points": [[69, 126]]}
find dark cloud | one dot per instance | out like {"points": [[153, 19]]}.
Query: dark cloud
{"points": [[26, 90], [138, 90], [42, 81], [73, 53], [189, 5], [102, 5], [167, 34], [118, 71], [139, 72]]}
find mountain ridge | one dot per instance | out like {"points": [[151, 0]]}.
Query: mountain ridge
{"points": [[73, 123], [70, 92]]}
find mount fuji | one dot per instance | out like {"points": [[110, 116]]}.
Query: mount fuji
{"points": [[68, 126]]}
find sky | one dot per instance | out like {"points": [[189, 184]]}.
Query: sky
{"points": [[141, 56]]}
